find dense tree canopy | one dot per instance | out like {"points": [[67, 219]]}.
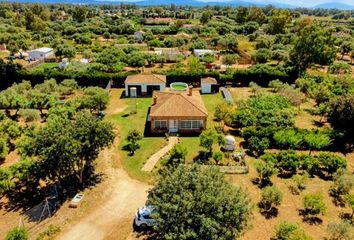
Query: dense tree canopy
{"points": [[197, 209]]}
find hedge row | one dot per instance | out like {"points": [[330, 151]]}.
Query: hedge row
{"points": [[261, 74]]}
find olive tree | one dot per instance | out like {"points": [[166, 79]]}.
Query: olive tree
{"points": [[192, 202]]}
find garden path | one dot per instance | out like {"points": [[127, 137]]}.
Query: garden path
{"points": [[150, 164]]}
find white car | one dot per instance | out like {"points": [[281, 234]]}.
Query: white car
{"points": [[143, 218]]}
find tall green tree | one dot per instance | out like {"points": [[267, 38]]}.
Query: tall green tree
{"points": [[314, 45], [205, 18], [186, 200]]}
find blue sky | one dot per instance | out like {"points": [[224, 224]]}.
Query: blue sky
{"points": [[294, 2], [305, 3]]}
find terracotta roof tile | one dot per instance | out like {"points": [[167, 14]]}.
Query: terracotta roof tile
{"points": [[178, 104], [145, 78], [209, 80]]}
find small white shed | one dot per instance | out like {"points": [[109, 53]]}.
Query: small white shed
{"points": [[41, 53], [208, 85], [144, 84], [201, 52]]}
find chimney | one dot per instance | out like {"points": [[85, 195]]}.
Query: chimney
{"points": [[155, 100], [190, 90]]}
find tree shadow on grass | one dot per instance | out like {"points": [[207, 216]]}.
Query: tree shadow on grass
{"points": [[310, 219], [347, 216]]}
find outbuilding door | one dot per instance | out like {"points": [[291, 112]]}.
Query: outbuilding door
{"points": [[151, 88], [138, 89]]}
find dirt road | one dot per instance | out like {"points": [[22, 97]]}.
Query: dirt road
{"points": [[114, 217]]}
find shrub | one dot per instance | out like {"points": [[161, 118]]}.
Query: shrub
{"points": [[288, 139], [177, 155], [314, 205], [299, 183], [340, 67], [257, 145], [289, 231], [331, 162], [271, 197], [30, 115], [340, 231], [218, 157], [288, 162], [17, 233], [265, 170], [133, 137], [343, 183], [4, 149], [316, 141]]}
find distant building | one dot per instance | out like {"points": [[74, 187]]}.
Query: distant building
{"points": [[139, 36], [41, 53], [201, 52], [171, 54]]}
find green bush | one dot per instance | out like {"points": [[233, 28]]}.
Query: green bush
{"points": [[4, 149], [340, 231], [331, 162], [314, 205], [271, 197], [289, 231], [17, 233]]}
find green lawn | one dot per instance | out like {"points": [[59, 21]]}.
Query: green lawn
{"points": [[210, 102], [44, 66], [192, 143], [128, 121]]}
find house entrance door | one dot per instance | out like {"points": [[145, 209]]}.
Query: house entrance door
{"points": [[173, 126]]}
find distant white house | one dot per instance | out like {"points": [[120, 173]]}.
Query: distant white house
{"points": [[171, 54], [201, 52], [41, 53], [64, 63], [139, 36]]}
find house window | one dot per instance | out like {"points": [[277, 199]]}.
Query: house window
{"points": [[160, 124], [191, 124]]}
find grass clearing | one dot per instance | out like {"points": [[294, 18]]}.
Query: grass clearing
{"points": [[128, 121], [245, 45], [45, 66]]}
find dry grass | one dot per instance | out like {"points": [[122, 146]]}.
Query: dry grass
{"points": [[262, 228], [245, 45]]}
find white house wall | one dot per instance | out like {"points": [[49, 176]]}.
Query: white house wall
{"points": [[143, 87]]}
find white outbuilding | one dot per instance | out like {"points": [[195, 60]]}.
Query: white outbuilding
{"points": [[209, 85], [199, 53], [230, 143], [144, 84], [40, 53]]}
